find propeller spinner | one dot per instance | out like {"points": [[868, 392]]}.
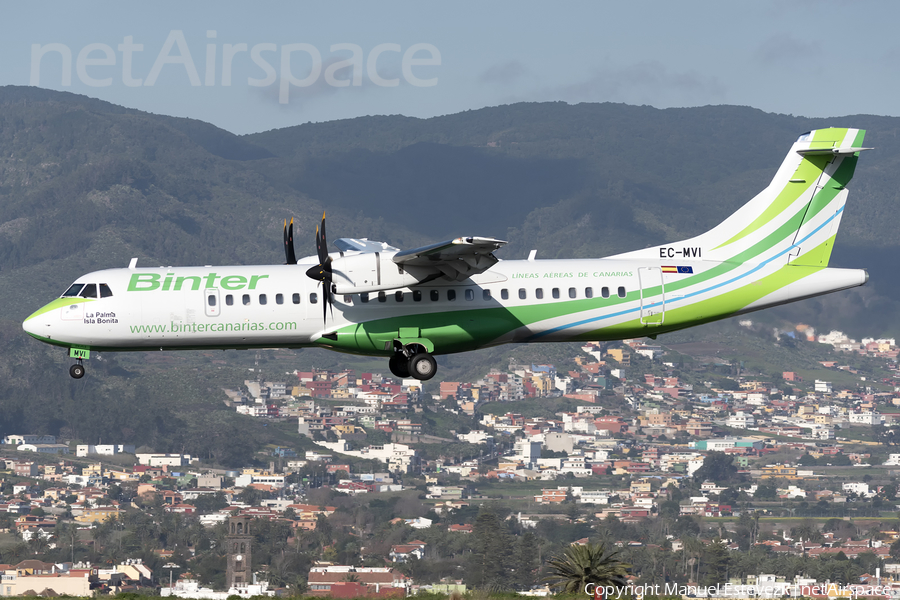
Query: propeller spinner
{"points": [[322, 271]]}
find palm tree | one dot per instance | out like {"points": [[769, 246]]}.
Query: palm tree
{"points": [[581, 565]]}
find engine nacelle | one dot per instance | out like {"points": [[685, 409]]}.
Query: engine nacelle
{"points": [[370, 272]]}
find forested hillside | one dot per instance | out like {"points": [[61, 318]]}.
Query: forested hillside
{"points": [[86, 185]]}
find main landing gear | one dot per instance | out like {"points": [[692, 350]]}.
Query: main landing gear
{"points": [[412, 361], [77, 370]]}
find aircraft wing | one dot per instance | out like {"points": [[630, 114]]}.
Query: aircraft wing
{"points": [[456, 259]]}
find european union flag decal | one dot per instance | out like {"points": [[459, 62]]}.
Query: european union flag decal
{"points": [[683, 270]]}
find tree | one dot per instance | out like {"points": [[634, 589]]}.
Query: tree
{"points": [[527, 560], [807, 460], [716, 559], [718, 467], [491, 553], [580, 565]]}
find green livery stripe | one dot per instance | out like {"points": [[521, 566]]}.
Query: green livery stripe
{"points": [[833, 135], [708, 310], [818, 256], [459, 330], [787, 228], [809, 170]]}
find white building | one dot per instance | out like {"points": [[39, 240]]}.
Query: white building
{"points": [[475, 437], [398, 457], [191, 589], [741, 420], [18, 440], [865, 418], [823, 387], [276, 481], [859, 488], [833, 338], [165, 460], [104, 449], [44, 448]]}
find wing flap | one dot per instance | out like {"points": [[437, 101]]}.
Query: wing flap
{"points": [[456, 259]]}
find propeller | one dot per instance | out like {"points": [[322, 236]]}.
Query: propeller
{"points": [[322, 271], [289, 256]]}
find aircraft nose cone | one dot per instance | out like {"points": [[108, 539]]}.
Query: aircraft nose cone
{"points": [[37, 325]]}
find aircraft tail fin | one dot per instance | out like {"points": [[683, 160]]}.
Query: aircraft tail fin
{"points": [[795, 217]]}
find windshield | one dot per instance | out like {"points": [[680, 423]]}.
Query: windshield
{"points": [[73, 290]]}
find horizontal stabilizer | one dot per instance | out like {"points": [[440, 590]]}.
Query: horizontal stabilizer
{"points": [[827, 151]]}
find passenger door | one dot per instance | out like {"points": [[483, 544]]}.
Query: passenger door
{"points": [[653, 296]]}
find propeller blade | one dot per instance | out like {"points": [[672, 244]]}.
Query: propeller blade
{"points": [[321, 242], [289, 243]]}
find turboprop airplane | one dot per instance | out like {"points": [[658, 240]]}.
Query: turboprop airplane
{"points": [[370, 298]]}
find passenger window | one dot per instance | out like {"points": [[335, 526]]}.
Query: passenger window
{"points": [[348, 299], [451, 295], [573, 293], [485, 294], [73, 289], [279, 298], [470, 294], [556, 293], [522, 294], [539, 293], [295, 298], [211, 299], [604, 292], [588, 292], [382, 297], [89, 291], [262, 299], [504, 294], [229, 300], [435, 295], [313, 298], [621, 292], [245, 299], [417, 295], [105, 292], [364, 297], [398, 296]]}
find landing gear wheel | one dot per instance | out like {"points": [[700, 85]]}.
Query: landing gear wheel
{"points": [[422, 366], [399, 366], [76, 371]]}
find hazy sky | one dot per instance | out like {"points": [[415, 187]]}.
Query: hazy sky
{"points": [[250, 67]]}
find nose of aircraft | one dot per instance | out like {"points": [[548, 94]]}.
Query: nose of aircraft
{"points": [[38, 324]]}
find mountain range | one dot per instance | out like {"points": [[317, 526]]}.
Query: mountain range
{"points": [[85, 185]]}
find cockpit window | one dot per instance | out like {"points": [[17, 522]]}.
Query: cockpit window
{"points": [[105, 292], [89, 291], [73, 289]]}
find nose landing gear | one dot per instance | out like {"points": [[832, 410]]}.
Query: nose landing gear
{"points": [[77, 370], [79, 354]]}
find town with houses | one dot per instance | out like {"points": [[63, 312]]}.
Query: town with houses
{"points": [[746, 463]]}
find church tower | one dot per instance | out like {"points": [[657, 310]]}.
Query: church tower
{"points": [[240, 553]]}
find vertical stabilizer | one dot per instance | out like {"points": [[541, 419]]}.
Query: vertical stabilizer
{"points": [[796, 216]]}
